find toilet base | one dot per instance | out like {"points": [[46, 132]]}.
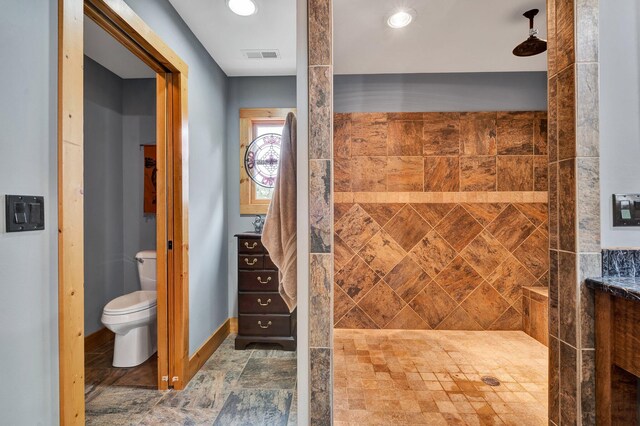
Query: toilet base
{"points": [[135, 347]]}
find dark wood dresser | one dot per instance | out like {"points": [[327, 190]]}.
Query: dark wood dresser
{"points": [[263, 317]]}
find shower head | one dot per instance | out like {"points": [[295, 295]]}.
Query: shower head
{"points": [[533, 45]]}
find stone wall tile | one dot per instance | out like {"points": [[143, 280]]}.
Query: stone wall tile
{"points": [[320, 126], [587, 111], [320, 209], [320, 306], [320, 32], [321, 386], [588, 204]]}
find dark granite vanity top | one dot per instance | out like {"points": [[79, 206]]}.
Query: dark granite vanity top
{"points": [[626, 287]]}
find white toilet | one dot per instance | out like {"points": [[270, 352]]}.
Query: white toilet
{"points": [[132, 317]]}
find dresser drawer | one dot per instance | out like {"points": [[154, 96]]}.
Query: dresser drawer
{"points": [[261, 303], [250, 246], [258, 280], [264, 325], [248, 261], [268, 263]]}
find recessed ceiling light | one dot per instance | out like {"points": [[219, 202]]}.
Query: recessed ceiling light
{"points": [[242, 7], [401, 18]]}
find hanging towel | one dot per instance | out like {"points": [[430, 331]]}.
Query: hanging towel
{"points": [[279, 233]]}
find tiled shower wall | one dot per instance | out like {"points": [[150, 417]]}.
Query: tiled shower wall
{"points": [[574, 207], [572, 31], [436, 220], [440, 152]]}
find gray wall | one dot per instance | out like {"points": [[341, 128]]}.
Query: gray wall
{"points": [[28, 165], [102, 191], [441, 92], [619, 112], [119, 115], [138, 127], [208, 288], [247, 92], [28, 260]]}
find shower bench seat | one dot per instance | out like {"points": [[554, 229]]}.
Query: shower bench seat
{"points": [[535, 313]]}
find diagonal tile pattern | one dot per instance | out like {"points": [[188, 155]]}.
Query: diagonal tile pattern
{"points": [[407, 227], [439, 266]]}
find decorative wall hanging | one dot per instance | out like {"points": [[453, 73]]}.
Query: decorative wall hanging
{"points": [[150, 174], [261, 159]]}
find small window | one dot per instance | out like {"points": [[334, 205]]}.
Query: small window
{"points": [[255, 198]]}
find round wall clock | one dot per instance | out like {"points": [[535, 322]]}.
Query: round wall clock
{"points": [[261, 159]]}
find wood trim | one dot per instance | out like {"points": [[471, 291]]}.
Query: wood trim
{"points": [[162, 164], [123, 24], [179, 356], [204, 352], [97, 339], [233, 325], [248, 204], [70, 212], [96, 16], [265, 113], [604, 357], [440, 197], [131, 24]]}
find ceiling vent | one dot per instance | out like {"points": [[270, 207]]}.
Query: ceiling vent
{"points": [[261, 54]]}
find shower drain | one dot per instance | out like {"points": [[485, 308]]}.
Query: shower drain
{"points": [[491, 381]]}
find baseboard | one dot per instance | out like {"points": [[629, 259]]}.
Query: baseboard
{"points": [[233, 325], [97, 339], [204, 352]]}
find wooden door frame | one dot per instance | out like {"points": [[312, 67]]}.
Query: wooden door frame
{"points": [[172, 217]]}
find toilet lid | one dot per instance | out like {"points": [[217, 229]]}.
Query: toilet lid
{"points": [[132, 302]]}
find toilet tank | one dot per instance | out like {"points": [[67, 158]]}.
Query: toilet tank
{"points": [[147, 269]]}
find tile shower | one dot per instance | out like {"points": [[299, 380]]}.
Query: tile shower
{"points": [[440, 253], [440, 219]]}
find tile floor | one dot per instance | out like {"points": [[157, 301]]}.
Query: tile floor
{"points": [[251, 387], [400, 377], [100, 374]]}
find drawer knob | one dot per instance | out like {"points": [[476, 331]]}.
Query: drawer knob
{"points": [[264, 282], [264, 304], [254, 245], [253, 261], [264, 326]]}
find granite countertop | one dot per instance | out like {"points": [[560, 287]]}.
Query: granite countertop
{"points": [[626, 287]]}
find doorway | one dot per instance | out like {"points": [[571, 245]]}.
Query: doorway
{"points": [[120, 177], [129, 30]]}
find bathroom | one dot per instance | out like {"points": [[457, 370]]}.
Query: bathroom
{"points": [[440, 217], [250, 355], [119, 215], [592, 147]]}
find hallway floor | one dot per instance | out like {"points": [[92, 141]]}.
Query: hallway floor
{"points": [[251, 387], [391, 377]]}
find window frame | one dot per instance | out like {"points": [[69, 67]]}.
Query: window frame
{"points": [[249, 117]]}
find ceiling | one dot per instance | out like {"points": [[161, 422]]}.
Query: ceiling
{"points": [[105, 50], [446, 36], [225, 35]]}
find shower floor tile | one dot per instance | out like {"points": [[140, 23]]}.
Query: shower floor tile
{"points": [[395, 377]]}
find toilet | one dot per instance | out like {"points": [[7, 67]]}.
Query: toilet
{"points": [[132, 317]]}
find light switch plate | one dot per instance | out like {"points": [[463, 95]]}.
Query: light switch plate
{"points": [[626, 210], [24, 213]]}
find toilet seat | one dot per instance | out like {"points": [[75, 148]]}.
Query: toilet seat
{"points": [[131, 303]]}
